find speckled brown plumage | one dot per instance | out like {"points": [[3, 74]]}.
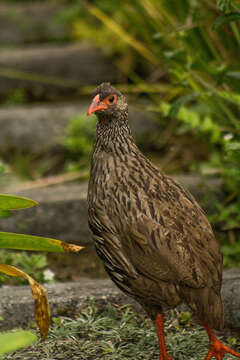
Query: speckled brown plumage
{"points": [[154, 239]]}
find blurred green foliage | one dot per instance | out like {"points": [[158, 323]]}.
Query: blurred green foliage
{"points": [[79, 134], [15, 97], [231, 255], [79, 140], [2, 167]]}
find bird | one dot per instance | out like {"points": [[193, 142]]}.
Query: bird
{"points": [[154, 239]]}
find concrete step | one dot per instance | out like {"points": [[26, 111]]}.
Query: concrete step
{"points": [[68, 299], [48, 71], [32, 22], [62, 209], [61, 213], [40, 128]]}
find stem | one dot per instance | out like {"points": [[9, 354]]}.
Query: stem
{"points": [[30, 76], [236, 32]]}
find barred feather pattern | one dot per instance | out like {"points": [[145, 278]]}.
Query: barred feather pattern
{"points": [[152, 236]]}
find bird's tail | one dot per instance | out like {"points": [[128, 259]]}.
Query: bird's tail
{"points": [[207, 305]]}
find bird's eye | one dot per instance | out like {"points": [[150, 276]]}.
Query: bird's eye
{"points": [[111, 99]]}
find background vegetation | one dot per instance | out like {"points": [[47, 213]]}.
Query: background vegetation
{"points": [[118, 333], [183, 56]]}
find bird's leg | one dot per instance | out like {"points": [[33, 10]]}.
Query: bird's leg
{"points": [[159, 323], [217, 349]]}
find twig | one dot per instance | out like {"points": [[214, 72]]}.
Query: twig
{"points": [[49, 181]]}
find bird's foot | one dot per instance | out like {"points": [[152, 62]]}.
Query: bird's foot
{"points": [[218, 350]]}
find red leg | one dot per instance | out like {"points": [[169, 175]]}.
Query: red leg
{"points": [[217, 349], [161, 339]]}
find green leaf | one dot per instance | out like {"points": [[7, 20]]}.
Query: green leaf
{"points": [[225, 19], [177, 104], [223, 5], [11, 341], [4, 214], [12, 202], [35, 243]]}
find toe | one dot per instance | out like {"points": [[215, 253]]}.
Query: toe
{"points": [[218, 350]]}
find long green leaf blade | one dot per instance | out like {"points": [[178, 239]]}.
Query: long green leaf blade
{"points": [[225, 19], [12, 202], [35, 243], [11, 341]]}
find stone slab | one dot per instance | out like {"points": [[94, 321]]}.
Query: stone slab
{"points": [[32, 22], [40, 128], [62, 210], [61, 214], [50, 70], [67, 299]]}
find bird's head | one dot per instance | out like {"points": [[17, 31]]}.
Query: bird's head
{"points": [[108, 104]]}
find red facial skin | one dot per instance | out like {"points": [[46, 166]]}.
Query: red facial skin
{"points": [[101, 105]]}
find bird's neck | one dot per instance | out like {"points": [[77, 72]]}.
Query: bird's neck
{"points": [[113, 136]]}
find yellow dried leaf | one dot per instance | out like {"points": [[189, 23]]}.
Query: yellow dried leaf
{"points": [[41, 306], [71, 247]]}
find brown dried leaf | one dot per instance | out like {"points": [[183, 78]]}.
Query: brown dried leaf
{"points": [[71, 247], [41, 306]]}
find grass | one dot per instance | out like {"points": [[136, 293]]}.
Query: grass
{"points": [[117, 333]]}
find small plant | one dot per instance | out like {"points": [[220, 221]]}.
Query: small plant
{"points": [[79, 140], [79, 134], [16, 97], [33, 264], [33, 243], [185, 318]]}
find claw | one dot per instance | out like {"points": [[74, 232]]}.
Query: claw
{"points": [[218, 349]]}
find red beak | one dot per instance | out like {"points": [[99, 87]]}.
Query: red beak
{"points": [[96, 105]]}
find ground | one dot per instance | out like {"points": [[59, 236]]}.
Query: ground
{"points": [[118, 333]]}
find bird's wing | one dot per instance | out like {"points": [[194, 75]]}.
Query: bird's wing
{"points": [[170, 239]]}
